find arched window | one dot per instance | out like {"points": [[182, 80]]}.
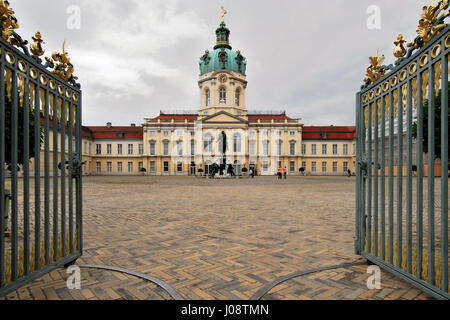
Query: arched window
{"points": [[236, 143], [279, 147], [180, 148], [207, 143], [252, 147], [292, 148], [238, 97], [208, 97], [265, 148], [152, 148], [223, 96]]}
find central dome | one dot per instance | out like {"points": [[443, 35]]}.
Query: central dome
{"points": [[223, 57]]}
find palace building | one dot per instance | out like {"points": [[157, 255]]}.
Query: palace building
{"points": [[190, 142]]}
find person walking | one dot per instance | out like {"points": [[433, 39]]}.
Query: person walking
{"points": [[252, 175], [280, 173], [285, 173]]}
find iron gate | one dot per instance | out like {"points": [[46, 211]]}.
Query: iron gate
{"points": [[402, 177], [40, 159]]}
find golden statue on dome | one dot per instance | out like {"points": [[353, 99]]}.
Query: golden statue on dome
{"points": [[224, 13]]}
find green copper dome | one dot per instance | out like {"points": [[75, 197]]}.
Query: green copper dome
{"points": [[223, 57]]}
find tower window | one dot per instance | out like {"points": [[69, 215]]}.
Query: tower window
{"points": [[223, 96], [238, 96], [208, 97]]}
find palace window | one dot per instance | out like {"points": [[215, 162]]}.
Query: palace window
{"points": [[208, 97], [279, 147], [354, 148], [345, 149], [166, 148], [265, 148], [324, 167], [303, 149], [292, 148], [335, 167], [152, 133], [98, 149], [152, 166], [119, 149], [141, 166], [109, 167], [292, 133], [223, 96], [237, 143], [252, 147], [90, 147], [193, 147], [313, 149], [345, 166], [324, 149], [292, 167], [207, 143], [179, 148], [265, 166], [108, 149], [180, 167], [119, 167], [130, 149], [152, 148], [165, 133], [335, 149], [85, 147], [304, 165], [141, 148], [313, 166], [130, 167], [238, 96], [166, 166], [99, 167]]}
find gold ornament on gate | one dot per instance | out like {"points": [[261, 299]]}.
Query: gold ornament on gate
{"points": [[36, 47], [8, 21], [62, 65], [373, 72], [400, 50], [427, 29]]}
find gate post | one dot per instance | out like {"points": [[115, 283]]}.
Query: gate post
{"points": [[358, 177]]}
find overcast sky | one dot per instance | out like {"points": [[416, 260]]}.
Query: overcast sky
{"points": [[137, 57]]}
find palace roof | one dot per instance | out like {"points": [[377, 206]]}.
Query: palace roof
{"points": [[329, 133]]}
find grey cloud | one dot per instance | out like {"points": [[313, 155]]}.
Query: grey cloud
{"points": [[135, 57]]}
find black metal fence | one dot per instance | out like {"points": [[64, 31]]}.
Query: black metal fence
{"points": [[402, 196], [40, 159]]}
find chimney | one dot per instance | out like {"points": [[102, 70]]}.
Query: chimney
{"points": [[133, 125], [109, 125]]}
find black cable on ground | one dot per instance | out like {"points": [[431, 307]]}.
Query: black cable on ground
{"points": [[156, 281], [267, 288]]}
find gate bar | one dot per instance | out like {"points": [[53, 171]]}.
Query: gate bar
{"points": [[63, 176], [391, 177], [2, 169], [55, 176], [26, 177], [444, 174], [409, 191], [431, 242], [37, 177], [47, 178], [14, 186], [383, 177], [369, 178], [375, 182], [420, 175], [400, 176]]}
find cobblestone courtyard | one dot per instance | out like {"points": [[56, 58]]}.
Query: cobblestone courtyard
{"points": [[218, 239]]}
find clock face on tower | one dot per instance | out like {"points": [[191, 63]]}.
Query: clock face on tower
{"points": [[223, 78]]}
